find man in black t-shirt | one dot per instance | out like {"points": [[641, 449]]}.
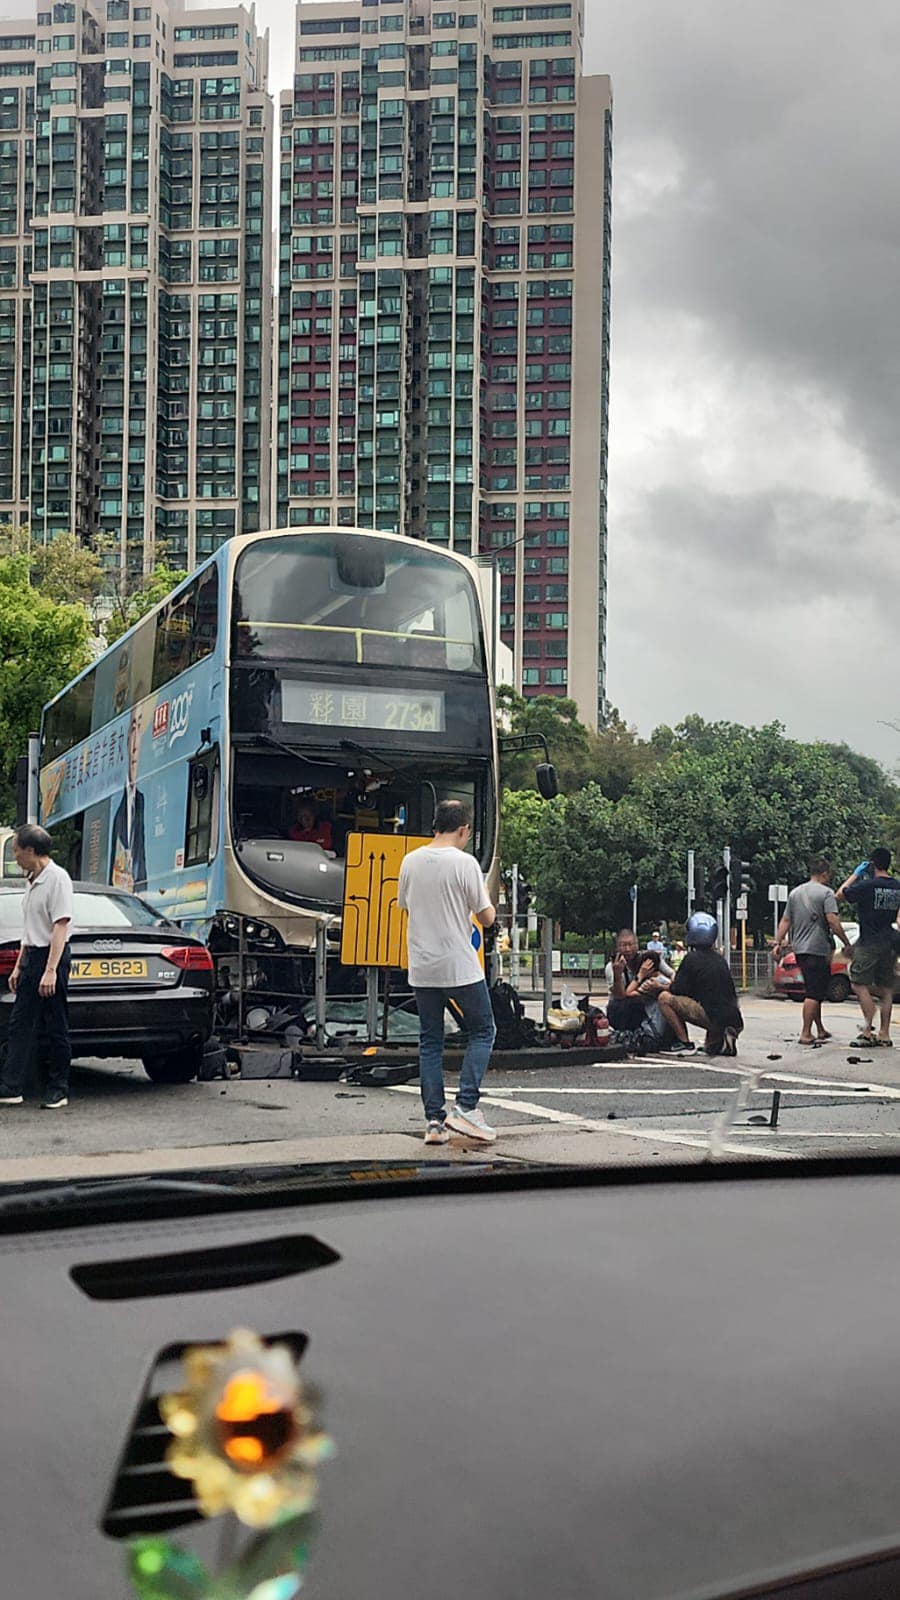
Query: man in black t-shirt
{"points": [[703, 992], [877, 902]]}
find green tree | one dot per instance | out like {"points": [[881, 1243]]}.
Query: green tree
{"points": [[62, 569], [43, 643], [774, 799], [568, 740], [129, 608], [589, 852], [619, 757], [521, 814]]}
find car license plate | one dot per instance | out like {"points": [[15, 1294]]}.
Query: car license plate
{"points": [[110, 967]]}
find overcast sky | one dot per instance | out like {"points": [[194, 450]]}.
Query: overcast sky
{"points": [[755, 394]]}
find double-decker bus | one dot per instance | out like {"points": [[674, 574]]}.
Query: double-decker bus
{"points": [[300, 686]]}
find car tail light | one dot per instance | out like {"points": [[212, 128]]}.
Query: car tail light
{"points": [[189, 957], [8, 960]]}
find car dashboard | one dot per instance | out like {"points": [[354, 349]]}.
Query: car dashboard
{"points": [[680, 1387]]}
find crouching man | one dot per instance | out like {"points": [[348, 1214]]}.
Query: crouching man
{"points": [[703, 993]]}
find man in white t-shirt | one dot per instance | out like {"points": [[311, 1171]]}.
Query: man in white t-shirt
{"points": [[40, 978], [442, 887]]}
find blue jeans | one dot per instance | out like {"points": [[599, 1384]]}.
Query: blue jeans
{"points": [[474, 1002]]}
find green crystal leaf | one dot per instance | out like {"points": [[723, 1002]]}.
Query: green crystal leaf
{"points": [[276, 1557], [161, 1571]]}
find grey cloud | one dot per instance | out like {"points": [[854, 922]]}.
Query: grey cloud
{"points": [[784, 230], [765, 544], [755, 198]]}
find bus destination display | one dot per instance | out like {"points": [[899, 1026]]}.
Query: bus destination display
{"points": [[346, 705]]}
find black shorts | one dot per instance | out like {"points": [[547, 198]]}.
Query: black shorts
{"points": [[816, 975]]}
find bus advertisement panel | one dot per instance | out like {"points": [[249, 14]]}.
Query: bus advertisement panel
{"points": [[127, 786]]}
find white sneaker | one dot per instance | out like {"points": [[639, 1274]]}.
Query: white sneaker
{"points": [[472, 1124], [436, 1133]]}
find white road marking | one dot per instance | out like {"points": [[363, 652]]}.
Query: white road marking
{"points": [[623, 1129], [889, 1091], [624, 1089]]}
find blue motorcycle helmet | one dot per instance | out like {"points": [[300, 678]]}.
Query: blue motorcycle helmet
{"points": [[702, 930]]}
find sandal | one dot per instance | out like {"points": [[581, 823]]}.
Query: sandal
{"points": [[864, 1041]]}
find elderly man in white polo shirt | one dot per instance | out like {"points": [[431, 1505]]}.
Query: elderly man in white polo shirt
{"points": [[40, 978]]}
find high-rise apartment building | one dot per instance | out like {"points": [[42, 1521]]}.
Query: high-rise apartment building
{"points": [[135, 273], [443, 323]]}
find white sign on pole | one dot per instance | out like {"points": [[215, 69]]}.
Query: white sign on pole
{"points": [[742, 902], [741, 913], [778, 891]]}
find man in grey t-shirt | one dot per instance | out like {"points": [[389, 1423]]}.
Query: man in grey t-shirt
{"points": [[810, 919], [441, 888]]}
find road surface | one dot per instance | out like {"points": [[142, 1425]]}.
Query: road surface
{"points": [[835, 1099]]}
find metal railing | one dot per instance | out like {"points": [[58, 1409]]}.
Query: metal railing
{"points": [[752, 970], [305, 996]]}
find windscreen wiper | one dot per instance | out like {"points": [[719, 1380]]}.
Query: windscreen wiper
{"points": [[51, 1196], [300, 755], [351, 744]]}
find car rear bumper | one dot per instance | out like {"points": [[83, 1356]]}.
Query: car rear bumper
{"points": [[134, 1023]]}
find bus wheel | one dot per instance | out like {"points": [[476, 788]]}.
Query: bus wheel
{"points": [[179, 1067]]}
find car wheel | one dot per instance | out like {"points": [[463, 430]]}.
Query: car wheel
{"points": [[178, 1067], [838, 989]]}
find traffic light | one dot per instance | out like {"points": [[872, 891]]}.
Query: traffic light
{"points": [[741, 881], [523, 897], [699, 886], [719, 886]]}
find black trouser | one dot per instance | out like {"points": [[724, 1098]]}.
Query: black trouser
{"points": [[36, 1021], [625, 1014]]}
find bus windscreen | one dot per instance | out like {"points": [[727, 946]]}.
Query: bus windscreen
{"points": [[303, 599]]}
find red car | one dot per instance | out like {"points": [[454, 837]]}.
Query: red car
{"points": [[788, 979]]}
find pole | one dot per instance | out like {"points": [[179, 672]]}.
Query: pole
{"points": [[321, 971], [726, 906], [371, 1004], [34, 762], [775, 917], [514, 931], [634, 894], [690, 882], [548, 966], [744, 954]]}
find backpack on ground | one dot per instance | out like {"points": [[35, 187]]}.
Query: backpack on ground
{"points": [[515, 1031]]}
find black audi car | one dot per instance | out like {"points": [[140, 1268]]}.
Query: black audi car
{"points": [[139, 986]]}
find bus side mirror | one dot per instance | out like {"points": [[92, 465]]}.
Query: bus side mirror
{"points": [[547, 780]]}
